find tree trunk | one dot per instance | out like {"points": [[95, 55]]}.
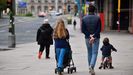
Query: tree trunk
{"points": [[0, 14]]}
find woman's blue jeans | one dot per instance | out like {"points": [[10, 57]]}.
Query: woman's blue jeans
{"points": [[92, 51], [60, 53]]}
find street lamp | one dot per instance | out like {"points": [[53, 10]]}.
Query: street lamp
{"points": [[56, 5], [80, 14], [11, 38], [118, 22]]}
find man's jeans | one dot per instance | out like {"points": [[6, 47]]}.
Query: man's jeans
{"points": [[92, 52], [60, 53]]}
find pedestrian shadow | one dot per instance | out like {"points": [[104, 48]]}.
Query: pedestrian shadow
{"points": [[5, 49]]}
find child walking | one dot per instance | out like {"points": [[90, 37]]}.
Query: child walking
{"points": [[106, 49]]}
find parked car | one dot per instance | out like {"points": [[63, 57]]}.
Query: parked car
{"points": [[58, 14], [54, 13], [42, 14]]}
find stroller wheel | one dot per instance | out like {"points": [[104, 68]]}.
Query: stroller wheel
{"points": [[100, 67], [71, 70], [74, 68], [68, 70], [56, 71]]}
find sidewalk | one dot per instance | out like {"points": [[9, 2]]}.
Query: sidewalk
{"points": [[23, 59]]}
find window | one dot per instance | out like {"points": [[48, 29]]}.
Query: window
{"points": [[39, 1], [45, 8], [52, 7], [39, 8], [46, 1], [53, 1], [59, 1], [32, 0], [59, 7], [32, 9]]}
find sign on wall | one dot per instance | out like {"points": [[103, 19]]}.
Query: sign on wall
{"points": [[22, 3]]}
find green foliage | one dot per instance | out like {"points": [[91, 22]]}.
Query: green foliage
{"points": [[2, 5], [29, 14]]}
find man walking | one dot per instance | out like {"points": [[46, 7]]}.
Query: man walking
{"points": [[91, 27]]}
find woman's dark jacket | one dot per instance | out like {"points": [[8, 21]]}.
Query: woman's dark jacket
{"points": [[44, 35], [62, 42]]}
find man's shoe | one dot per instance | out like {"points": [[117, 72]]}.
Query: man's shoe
{"points": [[60, 70], [91, 70]]}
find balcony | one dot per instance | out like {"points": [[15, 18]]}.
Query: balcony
{"points": [[46, 1], [39, 1], [32, 1], [52, 1], [59, 1]]}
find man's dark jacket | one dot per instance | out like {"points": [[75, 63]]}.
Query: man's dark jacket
{"points": [[91, 24]]}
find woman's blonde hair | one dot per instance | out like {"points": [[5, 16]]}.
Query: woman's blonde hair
{"points": [[60, 30]]}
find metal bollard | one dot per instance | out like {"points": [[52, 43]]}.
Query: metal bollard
{"points": [[11, 41]]}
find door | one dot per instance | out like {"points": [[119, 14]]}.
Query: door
{"points": [[124, 15]]}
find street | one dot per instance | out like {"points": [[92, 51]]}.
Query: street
{"points": [[20, 52], [25, 29], [23, 60]]}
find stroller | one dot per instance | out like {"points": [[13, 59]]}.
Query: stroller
{"points": [[67, 62]]}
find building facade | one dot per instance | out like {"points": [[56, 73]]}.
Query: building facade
{"points": [[36, 6], [115, 20], [112, 19]]}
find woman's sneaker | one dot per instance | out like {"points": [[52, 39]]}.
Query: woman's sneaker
{"points": [[60, 73]]}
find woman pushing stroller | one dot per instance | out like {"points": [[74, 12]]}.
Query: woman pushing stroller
{"points": [[61, 37]]}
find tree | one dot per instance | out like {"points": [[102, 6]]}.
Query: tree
{"points": [[2, 5]]}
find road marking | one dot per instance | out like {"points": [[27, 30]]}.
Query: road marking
{"points": [[2, 31], [28, 31]]}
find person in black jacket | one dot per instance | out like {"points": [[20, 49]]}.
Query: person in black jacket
{"points": [[74, 24], [106, 49], [44, 38]]}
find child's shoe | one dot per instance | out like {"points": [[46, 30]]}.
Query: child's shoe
{"points": [[110, 66], [101, 66], [47, 57]]}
